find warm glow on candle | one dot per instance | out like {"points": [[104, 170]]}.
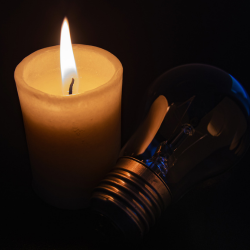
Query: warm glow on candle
{"points": [[67, 60], [65, 130]]}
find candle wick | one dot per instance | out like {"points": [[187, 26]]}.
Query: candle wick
{"points": [[71, 87]]}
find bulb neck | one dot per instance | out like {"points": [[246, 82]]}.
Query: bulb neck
{"points": [[132, 196]]}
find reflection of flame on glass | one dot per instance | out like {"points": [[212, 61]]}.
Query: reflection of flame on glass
{"points": [[67, 61]]}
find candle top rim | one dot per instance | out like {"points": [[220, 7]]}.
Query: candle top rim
{"points": [[20, 81]]}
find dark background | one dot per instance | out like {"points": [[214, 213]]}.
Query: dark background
{"points": [[148, 37]]}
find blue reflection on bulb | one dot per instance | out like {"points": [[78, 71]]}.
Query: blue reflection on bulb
{"points": [[241, 93]]}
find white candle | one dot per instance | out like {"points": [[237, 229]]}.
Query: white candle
{"points": [[73, 140]]}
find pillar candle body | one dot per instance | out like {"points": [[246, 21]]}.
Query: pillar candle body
{"points": [[73, 140]]}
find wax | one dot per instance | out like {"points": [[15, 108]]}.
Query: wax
{"points": [[73, 140]]}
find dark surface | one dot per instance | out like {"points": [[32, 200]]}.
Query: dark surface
{"points": [[149, 39]]}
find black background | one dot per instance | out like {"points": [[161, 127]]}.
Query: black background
{"points": [[148, 37]]}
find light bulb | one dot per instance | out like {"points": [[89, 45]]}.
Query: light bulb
{"points": [[197, 127]]}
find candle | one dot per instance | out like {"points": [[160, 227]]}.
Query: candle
{"points": [[73, 140]]}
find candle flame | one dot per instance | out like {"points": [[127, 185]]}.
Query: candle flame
{"points": [[67, 60]]}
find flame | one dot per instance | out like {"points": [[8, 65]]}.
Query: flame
{"points": [[67, 60]]}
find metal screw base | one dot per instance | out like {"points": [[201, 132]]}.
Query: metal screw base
{"points": [[132, 196]]}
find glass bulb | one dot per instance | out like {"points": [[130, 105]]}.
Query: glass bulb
{"points": [[197, 127]]}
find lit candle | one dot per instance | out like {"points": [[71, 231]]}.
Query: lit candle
{"points": [[73, 139]]}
